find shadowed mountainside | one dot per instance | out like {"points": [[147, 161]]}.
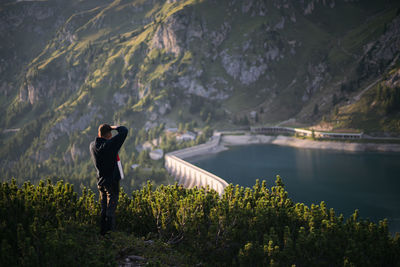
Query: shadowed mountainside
{"points": [[67, 66]]}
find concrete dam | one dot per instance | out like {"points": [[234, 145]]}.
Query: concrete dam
{"points": [[189, 175]]}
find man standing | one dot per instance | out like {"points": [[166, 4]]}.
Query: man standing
{"points": [[104, 151]]}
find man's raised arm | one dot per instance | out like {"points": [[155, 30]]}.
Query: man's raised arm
{"points": [[117, 140]]}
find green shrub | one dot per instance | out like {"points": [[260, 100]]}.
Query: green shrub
{"points": [[51, 225]]}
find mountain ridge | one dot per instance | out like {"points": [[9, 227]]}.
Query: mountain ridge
{"points": [[70, 66]]}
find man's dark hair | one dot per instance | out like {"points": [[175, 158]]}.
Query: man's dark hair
{"points": [[104, 130]]}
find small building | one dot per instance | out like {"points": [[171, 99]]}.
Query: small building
{"points": [[171, 130], [156, 154], [272, 130], [134, 166], [302, 132], [156, 141], [188, 136], [191, 133], [147, 146], [340, 135]]}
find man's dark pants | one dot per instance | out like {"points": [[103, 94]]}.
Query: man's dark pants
{"points": [[108, 199]]}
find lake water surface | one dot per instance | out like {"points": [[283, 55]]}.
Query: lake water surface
{"points": [[367, 181]]}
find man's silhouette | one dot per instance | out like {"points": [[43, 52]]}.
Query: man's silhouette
{"points": [[104, 151]]}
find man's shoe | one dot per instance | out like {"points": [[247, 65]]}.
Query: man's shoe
{"points": [[103, 225], [109, 224]]}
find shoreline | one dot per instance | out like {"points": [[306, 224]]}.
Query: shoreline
{"points": [[235, 140], [222, 142]]}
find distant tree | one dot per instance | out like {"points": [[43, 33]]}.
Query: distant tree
{"points": [[245, 121], [234, 119], [181, 127], [200, 138], [152, 133], [143, 158], [203, 115], [209, 117], [196, 103], [205, 111], [336, 111], [193, 124], [392, 102], [208, 131], [315, 111], [187, 127], [379, 93], [334, 99]]}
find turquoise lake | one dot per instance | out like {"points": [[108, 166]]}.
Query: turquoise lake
{"points": [[367, 181]]}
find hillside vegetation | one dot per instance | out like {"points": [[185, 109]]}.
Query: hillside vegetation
{"points": [[68, 66], [51, 225]]}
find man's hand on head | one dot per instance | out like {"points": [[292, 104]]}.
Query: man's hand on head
{"points": [[114, 127]]}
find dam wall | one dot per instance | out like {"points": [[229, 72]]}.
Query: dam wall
{"points": [[190, 175]]}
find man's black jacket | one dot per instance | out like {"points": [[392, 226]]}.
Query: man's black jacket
{"points": [[104, 154]]}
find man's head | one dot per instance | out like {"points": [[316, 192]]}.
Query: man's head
{"points": [[105, 131]]}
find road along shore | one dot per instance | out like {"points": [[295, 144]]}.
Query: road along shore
{"points": [[234, 140], [224, 141]]}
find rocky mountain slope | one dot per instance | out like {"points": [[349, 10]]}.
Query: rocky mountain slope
{"points": [[67, 66]]}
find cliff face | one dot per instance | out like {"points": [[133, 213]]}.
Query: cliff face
{"points": [[383, 53], [143, 62]]}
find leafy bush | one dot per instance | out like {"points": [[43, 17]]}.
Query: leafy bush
{"points": [[51, 225]]}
